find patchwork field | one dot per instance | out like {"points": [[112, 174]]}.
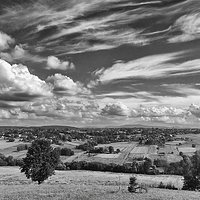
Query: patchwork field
{"points": [[87, 185]]}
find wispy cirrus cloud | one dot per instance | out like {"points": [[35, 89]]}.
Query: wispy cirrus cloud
{"points": [[79, 26], [150, 67]]}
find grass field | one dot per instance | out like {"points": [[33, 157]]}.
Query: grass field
{"points": [[86, 185], [117, 145], [10, 148], [102, 155]]}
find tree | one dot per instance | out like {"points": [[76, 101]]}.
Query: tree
{"points": [[111, 149], [40, 161], [192, 173]]}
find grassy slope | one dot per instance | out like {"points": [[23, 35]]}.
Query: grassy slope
{"points": [[81, 185]]}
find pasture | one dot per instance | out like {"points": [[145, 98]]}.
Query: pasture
{"points": [[10, 148], [4, 144], [87, 185], [102, 155], [117, 145]]}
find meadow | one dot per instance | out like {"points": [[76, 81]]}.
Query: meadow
{"points": [[87, 185]]}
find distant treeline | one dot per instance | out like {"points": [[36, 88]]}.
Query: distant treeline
{"points": [[145, 167]]}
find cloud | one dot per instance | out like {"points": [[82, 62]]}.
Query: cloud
{"points": [[20, 53], [62, 108], [54, 63], [161, 111], [189, 25], [5, 41], [18, 84], [65, 85], [115, 109], [195, 110], [154, 66], [149, 67]]}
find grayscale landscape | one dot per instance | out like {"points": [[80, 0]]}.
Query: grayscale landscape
{"points": [[99, 99]]}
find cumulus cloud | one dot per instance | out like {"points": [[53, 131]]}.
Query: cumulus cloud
{"points": [[189, 25], [55, 63], [195, 110], [19, 52], [62, 108], [65, 85], [115, 109], [18, 84], [161, 111], [167, 114], [5, 41]]}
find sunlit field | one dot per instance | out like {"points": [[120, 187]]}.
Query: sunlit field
{"points": [[87, 185]]}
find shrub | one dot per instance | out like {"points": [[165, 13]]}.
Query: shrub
{"points": [[61, 166], [22, 147], [132, 184], [3, 162], [66, 152]]}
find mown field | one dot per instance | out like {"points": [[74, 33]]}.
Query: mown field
{"points": [[10, 148], [86, 185]]}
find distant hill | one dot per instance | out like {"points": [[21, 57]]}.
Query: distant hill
{"points": [[49, 126]]}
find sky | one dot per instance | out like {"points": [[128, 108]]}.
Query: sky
{"points": [[91, 63]]}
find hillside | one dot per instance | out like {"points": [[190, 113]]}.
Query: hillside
{"points": [[84, 185]]}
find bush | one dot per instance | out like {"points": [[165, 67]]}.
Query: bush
{"points": [[11, 140], [132, 184], [66, 152], [168, 186], [3, 162], [22, 147], [61, 166]]}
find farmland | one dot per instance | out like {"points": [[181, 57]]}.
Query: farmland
{"points": [[87, 185], [128, 145], [10, 148]]}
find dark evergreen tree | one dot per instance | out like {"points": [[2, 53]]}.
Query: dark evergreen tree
{"points": [[40, 161], [132, 184]]}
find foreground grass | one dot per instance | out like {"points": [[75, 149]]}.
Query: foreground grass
{"points": [[82, 185]]}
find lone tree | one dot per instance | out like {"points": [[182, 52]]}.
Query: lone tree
{"points": [[192, 172], [40, 161]]}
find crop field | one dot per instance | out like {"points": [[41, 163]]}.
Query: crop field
{"points": [[107, 155], [176, 142], [143, 151], [152, 149], [109, 158], [87, 185], [117, 145], [140, 150], [186, 150], [169, 149]]}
